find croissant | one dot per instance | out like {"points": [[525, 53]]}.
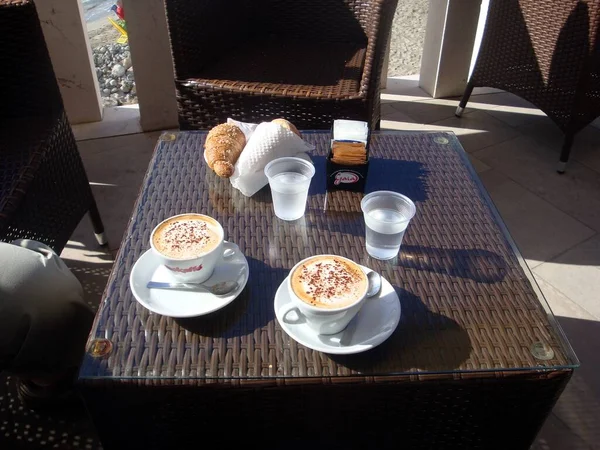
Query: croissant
{"points": [[287, 124], [223, 147]]}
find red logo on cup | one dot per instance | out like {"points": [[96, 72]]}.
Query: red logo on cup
{"points": [[186, 270], [345, 177]]}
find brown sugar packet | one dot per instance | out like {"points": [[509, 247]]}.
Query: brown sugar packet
{"points": [[349, 153]]}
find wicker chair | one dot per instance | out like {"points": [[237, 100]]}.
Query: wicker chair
{"points": [[547, 52], [310, 61], [44, 190]]}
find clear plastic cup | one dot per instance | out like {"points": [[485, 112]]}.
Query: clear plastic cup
{"points": [[289, 179], [387, 215]]}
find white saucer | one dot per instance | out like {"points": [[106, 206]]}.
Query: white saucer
{"points": [[374, 323], [175, 303]]}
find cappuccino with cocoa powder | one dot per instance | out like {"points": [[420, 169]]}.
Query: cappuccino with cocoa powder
{"points": [[186, 236], [329, 282]]}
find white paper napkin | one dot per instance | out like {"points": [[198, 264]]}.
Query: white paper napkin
{"points": [[267, 142]]}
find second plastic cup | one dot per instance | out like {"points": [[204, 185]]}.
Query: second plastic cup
{"points": [[289, 179], [387, 215]]}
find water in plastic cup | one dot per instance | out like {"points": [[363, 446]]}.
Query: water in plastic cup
{"points": [[387, 215], [289, 179]]}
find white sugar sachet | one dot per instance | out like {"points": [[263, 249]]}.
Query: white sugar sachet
{"points": [[350, 130], [269, 141]]}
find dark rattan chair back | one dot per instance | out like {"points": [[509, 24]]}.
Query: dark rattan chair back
{"points": [[27, 81], [309, 61], [546, 52]]}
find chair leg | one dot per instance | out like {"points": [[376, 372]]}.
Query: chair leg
{"points": [[97, 223], [465, 98], [565, 152]]}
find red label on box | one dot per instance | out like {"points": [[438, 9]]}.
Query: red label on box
{"points": [[345, 177]]}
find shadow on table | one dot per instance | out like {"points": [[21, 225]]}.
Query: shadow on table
{"points": [[406, 177], [337, 210], [252, 310], [318, 184], [423, 341], [475, 264], [342, 208]]}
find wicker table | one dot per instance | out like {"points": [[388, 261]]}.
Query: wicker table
{"points": [[478, 360]]}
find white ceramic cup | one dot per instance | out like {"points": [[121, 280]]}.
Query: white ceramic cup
{"points": [[321, 320], [199, 268]]}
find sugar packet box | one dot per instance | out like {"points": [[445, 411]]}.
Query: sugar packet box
{"points": [[348, 177]]}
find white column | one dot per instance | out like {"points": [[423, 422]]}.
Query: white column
{"points": [[448, 46], [152, 63], [67, 41]]}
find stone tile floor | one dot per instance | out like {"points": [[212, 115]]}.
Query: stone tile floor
{"points": [[555, 219]]}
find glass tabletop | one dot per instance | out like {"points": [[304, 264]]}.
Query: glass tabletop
{"points": [[467, 301]]}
